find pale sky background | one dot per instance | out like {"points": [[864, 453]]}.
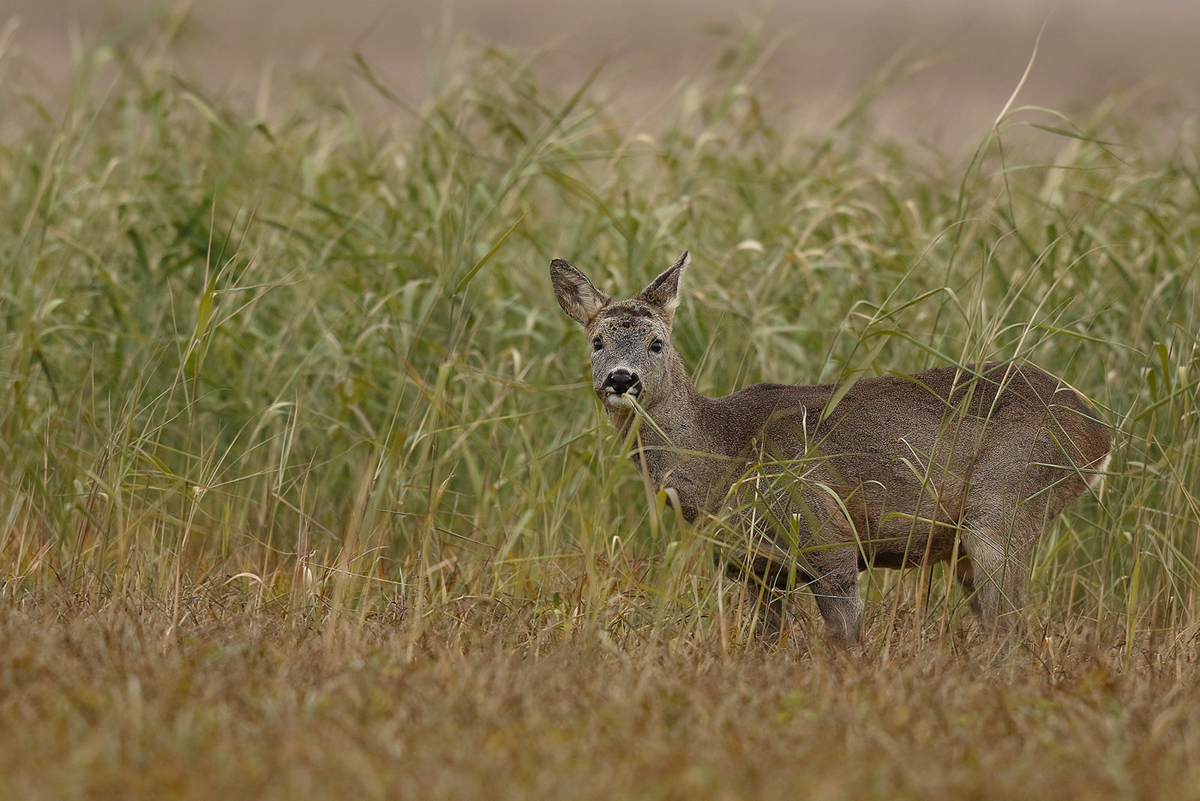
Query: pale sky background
{"points": [[1144, 52]]}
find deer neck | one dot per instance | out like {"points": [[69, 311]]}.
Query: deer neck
{"points": [[672, 425]]}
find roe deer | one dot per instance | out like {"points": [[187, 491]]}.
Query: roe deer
{"points": [[963, 463]]}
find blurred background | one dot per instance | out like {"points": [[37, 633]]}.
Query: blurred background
{"points": [[948, 66]]}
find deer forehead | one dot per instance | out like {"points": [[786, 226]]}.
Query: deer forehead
{"points": [[630, 318]]}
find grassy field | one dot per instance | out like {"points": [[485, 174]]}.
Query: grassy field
{"points": [[304, 495]]}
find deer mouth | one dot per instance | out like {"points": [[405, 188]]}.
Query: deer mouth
{"points": [[614, 398]]}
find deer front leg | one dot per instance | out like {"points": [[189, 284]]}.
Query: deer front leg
{"points": [[838, 597], [765, 583]]}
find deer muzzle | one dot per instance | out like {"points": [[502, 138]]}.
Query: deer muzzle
{"points": [[620, 385]]}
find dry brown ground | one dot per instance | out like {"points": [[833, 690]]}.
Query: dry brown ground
{"points": [[969, 56], [106, 702]]}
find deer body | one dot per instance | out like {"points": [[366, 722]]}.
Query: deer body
{"points": [[965, 464]]}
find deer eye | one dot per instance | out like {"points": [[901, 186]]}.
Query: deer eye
{"points": [[597, 344], [656, 346]]}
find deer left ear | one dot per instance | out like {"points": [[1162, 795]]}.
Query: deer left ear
{"points": [[576, 294], [663, 291]]}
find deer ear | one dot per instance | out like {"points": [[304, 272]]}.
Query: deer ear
{"points": [[576, 294], [663, 291]]}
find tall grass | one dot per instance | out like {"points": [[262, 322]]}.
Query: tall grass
{"points": [[309, 361]]}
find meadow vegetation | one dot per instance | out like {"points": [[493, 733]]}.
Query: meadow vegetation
{"points": [[303, 492]]}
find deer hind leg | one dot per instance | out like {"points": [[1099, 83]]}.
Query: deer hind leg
{"points": [[999, 550], [965, 574]]}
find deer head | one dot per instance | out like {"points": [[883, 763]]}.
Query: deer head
{"points": [[630, 340]]}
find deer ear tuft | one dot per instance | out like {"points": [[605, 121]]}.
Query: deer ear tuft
{"points": [[576, 294], [663, 291]]}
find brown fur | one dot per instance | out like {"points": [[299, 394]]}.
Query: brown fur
{"points": [[967, 463]]}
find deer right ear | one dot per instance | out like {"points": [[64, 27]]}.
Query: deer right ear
{"points": [[663, 291], [576, 294]]}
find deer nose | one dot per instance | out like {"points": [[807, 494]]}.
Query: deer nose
{"points": [[620, 381]]}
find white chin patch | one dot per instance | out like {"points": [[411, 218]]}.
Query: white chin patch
{"points": [[613, 399]]}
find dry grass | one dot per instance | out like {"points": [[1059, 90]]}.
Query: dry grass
{"points": [[108, 702], [302, 494]]}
